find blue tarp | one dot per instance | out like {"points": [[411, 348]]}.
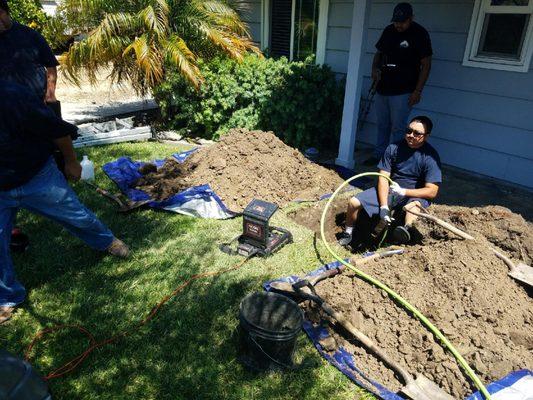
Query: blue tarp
{"points": [[198, 201], [517, 385]]}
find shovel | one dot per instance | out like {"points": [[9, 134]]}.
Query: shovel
{"points": [[521, 272], [286, 287], [417, 388], [123, 205]]}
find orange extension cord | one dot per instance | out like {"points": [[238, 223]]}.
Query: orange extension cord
{"points": [[94, 344]]}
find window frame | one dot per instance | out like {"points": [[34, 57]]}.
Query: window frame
{"points": [[471, 59], [323, 16]]}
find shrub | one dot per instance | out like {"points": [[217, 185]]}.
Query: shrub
{"points": [[28, 12], [300, 101], [53, 29]]}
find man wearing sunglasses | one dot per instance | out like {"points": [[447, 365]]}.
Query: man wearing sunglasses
{"points": [[414, 166]]}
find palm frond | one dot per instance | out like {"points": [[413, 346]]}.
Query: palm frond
{"points": [[178, 54]]}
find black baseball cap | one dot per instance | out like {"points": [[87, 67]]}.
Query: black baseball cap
{"points": [[402, 12]]}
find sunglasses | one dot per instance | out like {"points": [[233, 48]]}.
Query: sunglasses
{"points": [[413, 132]]}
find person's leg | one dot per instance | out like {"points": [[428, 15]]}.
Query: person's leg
{"points": [[367, 200], [11, 291], [411, 218], [402, 233], [49, 194], [383, 123], [399, 115], [354, 206]]}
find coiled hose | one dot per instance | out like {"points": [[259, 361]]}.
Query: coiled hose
{"points": [[462, 362]]}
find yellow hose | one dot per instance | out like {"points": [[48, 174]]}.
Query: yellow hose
{"points": [[462, 362]]}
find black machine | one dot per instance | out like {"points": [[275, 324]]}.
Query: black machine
{"points": [[258, 238]]}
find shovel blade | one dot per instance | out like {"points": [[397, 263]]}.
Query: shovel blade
{"points": [[424, 389], [523, 273]]}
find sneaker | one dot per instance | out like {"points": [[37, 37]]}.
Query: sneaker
{"points": [[345, 239], [401, 235], [118, 248]]}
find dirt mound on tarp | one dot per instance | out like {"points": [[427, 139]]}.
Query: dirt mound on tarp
{"points": [[244, 165], [460, 286]]}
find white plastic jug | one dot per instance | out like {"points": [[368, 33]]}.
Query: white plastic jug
{"points": [[87, 169]]}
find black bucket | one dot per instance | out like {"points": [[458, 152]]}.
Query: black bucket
{"points": [[18, 380], [269, 324]]}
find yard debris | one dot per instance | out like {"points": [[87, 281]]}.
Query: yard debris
{"points": [[114, 131], [244, 165], [460, 286]]}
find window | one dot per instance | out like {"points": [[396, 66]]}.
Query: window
{"points": [[295, 29], [501, 35], [305, 29]]}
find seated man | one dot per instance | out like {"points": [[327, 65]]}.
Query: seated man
{"points": [[414, 166], [29, 179]]}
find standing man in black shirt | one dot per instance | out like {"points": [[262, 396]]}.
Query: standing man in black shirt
{"points": [[401, 68], [26, 58], [29, 178]]}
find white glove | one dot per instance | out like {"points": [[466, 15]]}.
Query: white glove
{"points": [[384, 214], [397, 189]]}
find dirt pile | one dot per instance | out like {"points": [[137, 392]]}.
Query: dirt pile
{"points": [[242, 166], [460, 286]]}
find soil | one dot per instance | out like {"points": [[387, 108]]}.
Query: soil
{"points": [[242, 166], [460, 286]]}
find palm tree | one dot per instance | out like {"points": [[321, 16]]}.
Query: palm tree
{"points": [[139, 46]]}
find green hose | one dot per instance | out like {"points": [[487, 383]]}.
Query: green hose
{"points": [[462, 362]]}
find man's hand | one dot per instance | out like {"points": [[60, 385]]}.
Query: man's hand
{"points": [[73, 170], [414, 98], [384, 214], [398, 190]]}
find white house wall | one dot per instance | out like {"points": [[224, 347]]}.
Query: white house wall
{"points": [[251, 14], [483, 118]]}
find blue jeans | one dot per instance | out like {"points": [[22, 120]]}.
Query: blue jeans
{"points": [[48, 194], [392, 113]]}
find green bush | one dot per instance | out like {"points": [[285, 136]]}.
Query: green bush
{"points": [[28, 12], [300, 101]]}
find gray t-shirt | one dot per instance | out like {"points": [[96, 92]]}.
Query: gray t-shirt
{"points": [[411, 168]]}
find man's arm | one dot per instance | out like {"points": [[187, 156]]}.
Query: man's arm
{"points": [[51, 81], [425, 68], [72, 166], [376, 66], [383, 189], [429, 191]]}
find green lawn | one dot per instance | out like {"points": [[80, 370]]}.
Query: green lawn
{"points": [[189, 350]]}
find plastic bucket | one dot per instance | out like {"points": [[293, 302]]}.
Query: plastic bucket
{"points": [[269, 324], [18, 380]]}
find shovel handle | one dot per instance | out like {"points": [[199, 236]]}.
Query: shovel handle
{"points": [[367, 343], [505, 259], [355, 261], [440, 222]]}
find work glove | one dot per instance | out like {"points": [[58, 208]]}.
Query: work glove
{"points": [[397, 189], [384, 214]]}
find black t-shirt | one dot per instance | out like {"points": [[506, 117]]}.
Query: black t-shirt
{"points": [[24, 57], [402, 53], [411, 168], [27, 130]]}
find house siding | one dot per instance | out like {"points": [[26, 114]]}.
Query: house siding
{"points": [[250, 12], [483, 118]]}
